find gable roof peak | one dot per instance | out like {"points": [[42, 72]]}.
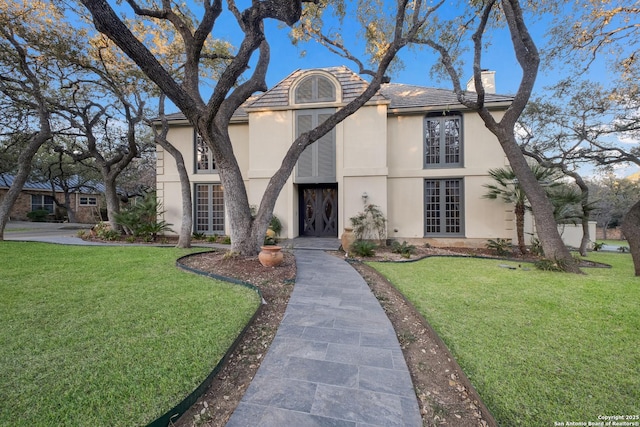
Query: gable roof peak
{"points": [[351, 85]]}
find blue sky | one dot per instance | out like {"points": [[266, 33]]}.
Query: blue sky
{"points": [[286, 57], [417, 63], [499, 57]]}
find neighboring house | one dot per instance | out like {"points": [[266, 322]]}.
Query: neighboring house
{"points": [[413, 151], [37, 195]]}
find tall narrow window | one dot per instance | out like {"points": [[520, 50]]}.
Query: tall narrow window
{"points": [[317, 163], [442, 141], [209, 209], [203, 157], [443, 207]]}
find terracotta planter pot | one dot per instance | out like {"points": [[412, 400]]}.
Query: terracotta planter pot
{"points": [[347, 239], [270, 256]]}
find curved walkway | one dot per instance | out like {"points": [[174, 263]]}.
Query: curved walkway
{"points": [[335, 360]]}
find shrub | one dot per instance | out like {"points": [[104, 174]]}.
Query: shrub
{"points": [[198, 235], [39, 215], [269, 241], [141, 219], [275, 225], [501, 246], [370, 223], [104, 231], [597, 246], [550, 265], [363, 248], [623, 249], [536, 247], [404, 249]]}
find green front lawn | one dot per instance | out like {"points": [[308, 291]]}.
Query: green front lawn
{"points": [[539, 347], [97, 336]]}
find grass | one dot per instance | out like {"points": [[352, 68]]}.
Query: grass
{"points": [[539, 347], [615, 243], [107, 335]]}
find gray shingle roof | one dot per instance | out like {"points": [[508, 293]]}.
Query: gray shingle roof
{"points": [[410, 96], [278, 97], [400, 96]]}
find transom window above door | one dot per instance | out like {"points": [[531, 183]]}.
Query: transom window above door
{"points": [[315, 88]]}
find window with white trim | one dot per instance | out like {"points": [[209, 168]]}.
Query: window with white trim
{"points": [[209, 209], [203, 157], [88, 201], [443, 207], [443, 141], [42, 202]]}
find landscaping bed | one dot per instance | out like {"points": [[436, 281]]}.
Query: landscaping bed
{"points": [[445, 396]]}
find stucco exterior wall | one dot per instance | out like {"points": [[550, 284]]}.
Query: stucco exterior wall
{"points": [[362, 163], [167, 180], [483, 219], [378, 159]]}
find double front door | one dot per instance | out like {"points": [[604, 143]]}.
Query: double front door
{"points": [[319, 210]]}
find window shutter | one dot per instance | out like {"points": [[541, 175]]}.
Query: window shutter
{"points": [[317, 163], [326, 154], [315, 89], [304, 91], [305, 162], [326, 90]]}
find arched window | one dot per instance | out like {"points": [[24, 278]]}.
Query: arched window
{"points": [[315, 88]]}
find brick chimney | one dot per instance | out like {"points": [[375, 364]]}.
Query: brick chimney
{"points": [[488, 81]]}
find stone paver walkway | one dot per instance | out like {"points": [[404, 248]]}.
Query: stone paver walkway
{"points": [[335, 360]]}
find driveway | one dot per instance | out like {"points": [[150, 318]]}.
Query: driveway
{"points": [[44, 231]]}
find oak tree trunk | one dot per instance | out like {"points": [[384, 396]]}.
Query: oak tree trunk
{"points": [[546, 227], [631, 230], [71, 213], [24, 169], [112, 201], [520, 211], [186, 227]]}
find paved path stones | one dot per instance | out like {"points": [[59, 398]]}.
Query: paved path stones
{"points": [[335, 360]]}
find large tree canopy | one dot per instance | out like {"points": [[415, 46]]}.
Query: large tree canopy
{"points": [[237, 81], [60, 79]]}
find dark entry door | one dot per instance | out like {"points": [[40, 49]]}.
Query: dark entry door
{"points": [[319, 210]]}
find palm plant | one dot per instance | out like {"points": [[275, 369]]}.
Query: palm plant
{"points": [[508, 189]]}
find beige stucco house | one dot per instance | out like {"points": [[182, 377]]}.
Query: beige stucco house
{"points": [[413, 151]]}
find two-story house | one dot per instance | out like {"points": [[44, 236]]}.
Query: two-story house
{"points": [[413, 151]]}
